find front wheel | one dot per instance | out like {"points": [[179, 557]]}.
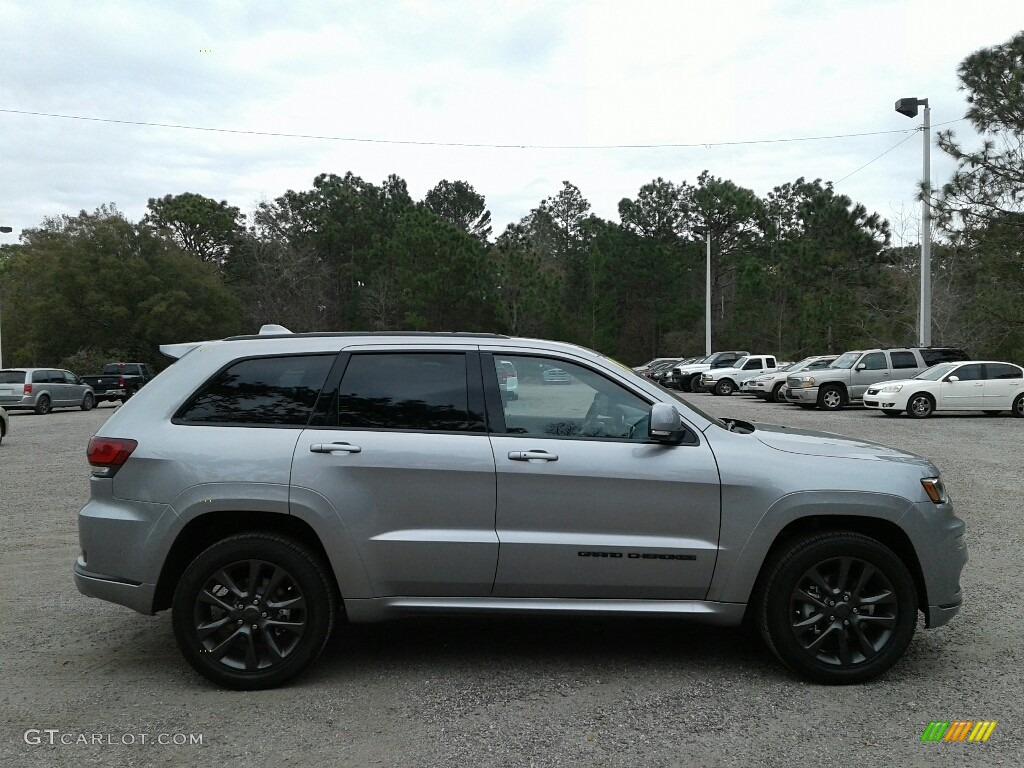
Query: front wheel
{"points": [[776, 396], [920, 406], [253, 611], [725, 387], [830, 398], [838, 607]]}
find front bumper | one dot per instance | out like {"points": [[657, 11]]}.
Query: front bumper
{"points": [[805, 395]]}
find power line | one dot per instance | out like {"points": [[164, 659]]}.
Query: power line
{"points": [[869, 162], [411, 142]]}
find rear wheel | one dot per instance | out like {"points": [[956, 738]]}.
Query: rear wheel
{"points": [[920, 406], [1018, 406], [830, 398], [837, 607], [253, 611], [88, 402], [43, 405]]}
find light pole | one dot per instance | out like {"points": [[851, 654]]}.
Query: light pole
{"points": [[707, 302], [4, 230], [909, 107]]}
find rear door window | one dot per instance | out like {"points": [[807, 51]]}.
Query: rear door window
{"points": [[263, 391], [419, 391], [903, 360]]}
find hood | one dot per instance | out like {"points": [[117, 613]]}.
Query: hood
{"points": [[811, 443], [904, 382]]}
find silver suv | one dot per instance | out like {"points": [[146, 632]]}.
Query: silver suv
{"points": [[846, 380], [266, 487]]}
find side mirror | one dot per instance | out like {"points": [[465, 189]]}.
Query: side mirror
{"points": [[953, 378], [666, 425], [861, 366]]}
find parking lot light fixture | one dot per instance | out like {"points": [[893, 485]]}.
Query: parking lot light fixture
{"points": [[908, 107]]}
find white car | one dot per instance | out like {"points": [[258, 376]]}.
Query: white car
{"points": [[770, 386], [725, 381], [970, 385]]}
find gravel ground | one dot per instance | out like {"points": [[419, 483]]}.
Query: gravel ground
{"points": [[503, 692]]}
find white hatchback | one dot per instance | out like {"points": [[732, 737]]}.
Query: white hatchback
{"points": [[969, 385]]}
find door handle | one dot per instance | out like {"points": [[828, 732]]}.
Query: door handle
{"points": [[334, 448], [532, 456]]}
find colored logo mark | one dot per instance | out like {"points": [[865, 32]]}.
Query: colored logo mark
{"points": [[959, 730]]}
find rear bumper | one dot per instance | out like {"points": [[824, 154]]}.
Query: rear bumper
{"points": [[138, 597]]}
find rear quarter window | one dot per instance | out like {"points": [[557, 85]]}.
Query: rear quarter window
{"points": [[264, 391]]}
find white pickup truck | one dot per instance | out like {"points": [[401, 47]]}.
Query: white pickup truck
{"points": [[725, 381]]}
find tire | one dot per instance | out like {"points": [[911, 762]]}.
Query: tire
{"points": [[920, 406], [1018, 406], [830, 398], [776, 396], [838, 608], [725, 387], [88, 402], [687, 385], [43, 405], [262, 573]]}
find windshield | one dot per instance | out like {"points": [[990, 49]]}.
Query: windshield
{"points": [[936, 372], [798, 366], [846, 360]]}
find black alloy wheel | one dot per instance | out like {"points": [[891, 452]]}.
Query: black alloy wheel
{"points": [[43, 405], [253, 611], [920, 406], [838, 608]]}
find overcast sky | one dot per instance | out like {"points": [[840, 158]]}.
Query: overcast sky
{"points": [[571, 73]]}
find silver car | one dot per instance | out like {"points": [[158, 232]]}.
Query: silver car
{"points": [[43, 389], [265, 488]]}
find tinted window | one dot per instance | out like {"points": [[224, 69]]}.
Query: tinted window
{"points": [[970, 372], [874, 361], [903, 360], [418, 391], [934, 356], [69, 378], [995, 371], [12, 377], [592, 406], [272, 391], [753, 365]]}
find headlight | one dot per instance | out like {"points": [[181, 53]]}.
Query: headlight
{"points": [[807, 381], [935, 489], [891, 388]]}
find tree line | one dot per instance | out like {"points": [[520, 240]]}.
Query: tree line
{"points": [[798, 271]]}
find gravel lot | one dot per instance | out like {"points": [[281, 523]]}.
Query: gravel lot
{"points": [[504, 692]]}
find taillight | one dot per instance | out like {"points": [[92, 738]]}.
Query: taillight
{"points": [[120, 383], [28, 389], [107, 454]]}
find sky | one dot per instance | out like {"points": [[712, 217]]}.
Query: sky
{"points": [[591, 92]]}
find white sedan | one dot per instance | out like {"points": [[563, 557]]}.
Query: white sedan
{"points": [[970, 385]]}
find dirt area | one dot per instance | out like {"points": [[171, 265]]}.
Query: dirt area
{"points": [[83, 682]]}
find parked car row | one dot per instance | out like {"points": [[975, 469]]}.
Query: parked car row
{"points": [[43, 389], [917, 381]]}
